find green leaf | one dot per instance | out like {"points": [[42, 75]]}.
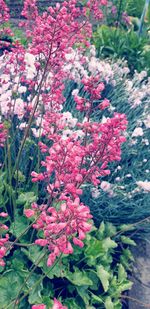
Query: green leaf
{"points": [[92, 275], [71, 304], [121, 273], [101, 229], [124, 261], [19, 226], [127, 253], [109, 303], [47, 301], [10, 284], [126, 227], [34, 292], [34, 253], [83, 292], [96, 299], [117, 304], [124, 286], [128, 241], [26, 198], [94, 248], [59, 270], [110, 229], [79, 278], [103, 276], [108, 243]]}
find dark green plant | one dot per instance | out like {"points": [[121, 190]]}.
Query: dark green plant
{"points": [[135, 7], [95, 276], [117, 43]]}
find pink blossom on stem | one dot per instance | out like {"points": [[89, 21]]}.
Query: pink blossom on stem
{"points": [[4, 12], [58, 305], [40, 306]]}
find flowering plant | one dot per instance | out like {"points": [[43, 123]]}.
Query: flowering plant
{"points": [[44, 148], [128, 183]]}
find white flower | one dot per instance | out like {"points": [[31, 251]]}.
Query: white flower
{"points": [[92, 50], [22, 125], [75, 92], [147, 122], [137, 132], [22, 89], [145, 141], [36, 132], [95, 192], [145, 185], [105, 186]]}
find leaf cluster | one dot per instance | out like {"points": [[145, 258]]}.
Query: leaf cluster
{"points": [[93, 277]]}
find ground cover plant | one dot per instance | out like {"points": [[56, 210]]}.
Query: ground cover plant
{"points": [[52, 150]]}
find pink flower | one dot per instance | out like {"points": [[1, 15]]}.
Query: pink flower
{"points": [[41, 242], [2, 252], [29, 213], [3, 214], [2, 263], [104, 104], [58, 305], [78, 242], [41, 306], [3, 134]]}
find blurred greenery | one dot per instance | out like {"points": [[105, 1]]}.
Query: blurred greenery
{"points": [[117, 43]]}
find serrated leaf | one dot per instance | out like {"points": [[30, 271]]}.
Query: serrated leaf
{"points": [[124, 286], [127, 253], [19, 226], [124, 261], [110, 229], [79, 278], [121, 273], [71, 304], [58, 271], [83, 292], [34, 253], [108, 303], [10, 284], [103, 276], [92, 275], [126, 227], [96, 299], [108, 243], [35, 288], [128, 241], [26, 198], [101, 229], [94, 249]]}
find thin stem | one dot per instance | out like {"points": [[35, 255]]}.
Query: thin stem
{"points": [[21, 245], [28, 277], [36, 284], [132, 225], [136, 301]]}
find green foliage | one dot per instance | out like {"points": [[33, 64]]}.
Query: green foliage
{"points": [[135, 7], [117, 43], [95, 276]]}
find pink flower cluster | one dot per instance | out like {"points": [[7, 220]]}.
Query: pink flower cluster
{"points": [[30, 10], [3, 248], [62, 226], [94, 7], [94, 87], [74, 162], [3, 134], [4, 12], [57, 305]]}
